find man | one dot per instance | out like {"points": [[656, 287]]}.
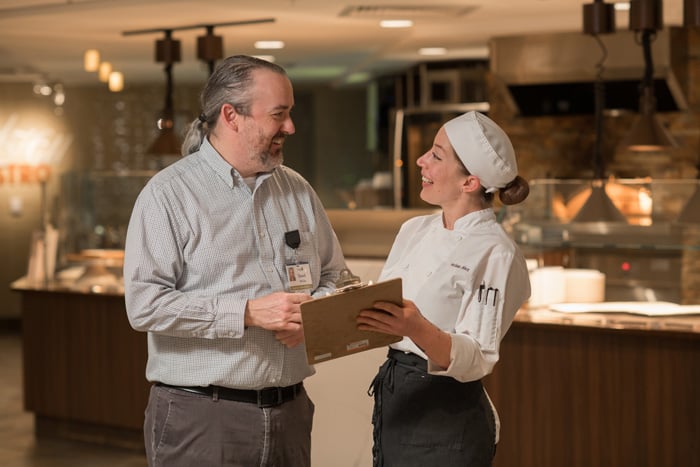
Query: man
{"points": [[211, 245]]}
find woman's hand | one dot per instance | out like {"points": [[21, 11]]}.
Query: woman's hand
{"points": [[407, 320], [389, 318]]}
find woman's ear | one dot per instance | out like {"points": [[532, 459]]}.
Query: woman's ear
{"points": [[472, 183]]}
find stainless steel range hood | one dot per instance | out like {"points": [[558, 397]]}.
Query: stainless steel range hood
{"points": [[553, 74]]}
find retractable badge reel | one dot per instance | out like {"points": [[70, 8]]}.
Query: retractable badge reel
{"points": [[298, 272]]}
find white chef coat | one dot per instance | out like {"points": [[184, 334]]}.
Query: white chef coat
{"points": [[469, 282]]}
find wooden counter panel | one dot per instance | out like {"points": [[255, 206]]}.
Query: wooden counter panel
{"points": [[82, 360], [581, 397]]}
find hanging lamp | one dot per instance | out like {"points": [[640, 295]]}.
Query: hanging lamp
{"points": [[599, 18], [210, 48], [167, 143], [647, 133]]}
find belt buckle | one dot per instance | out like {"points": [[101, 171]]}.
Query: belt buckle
{"points": [[264, 402]]}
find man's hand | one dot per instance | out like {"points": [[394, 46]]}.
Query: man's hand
{"points": [[279, 311], [290, 338]]}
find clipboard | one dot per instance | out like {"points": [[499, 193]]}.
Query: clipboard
{"points": [[330, 327]]}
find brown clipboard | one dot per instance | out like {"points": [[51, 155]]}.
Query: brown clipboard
{"points": [[330, 327]]}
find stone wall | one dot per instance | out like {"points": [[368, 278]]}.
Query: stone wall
{"points": [[563, 146]]}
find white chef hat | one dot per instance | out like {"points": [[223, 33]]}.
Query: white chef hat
{"points": [[484, 149]]}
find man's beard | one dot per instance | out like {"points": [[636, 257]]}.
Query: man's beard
{"points": [[269, 160]]}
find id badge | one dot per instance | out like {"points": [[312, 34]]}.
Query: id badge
{"points": [[299, 277]]}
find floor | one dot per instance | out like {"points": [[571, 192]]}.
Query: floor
{"points": [[18, 446]]}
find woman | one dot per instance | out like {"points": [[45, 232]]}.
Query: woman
{"points": [[463, 281]]}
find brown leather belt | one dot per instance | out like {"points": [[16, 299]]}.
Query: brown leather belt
{"points": [[267, 397]]}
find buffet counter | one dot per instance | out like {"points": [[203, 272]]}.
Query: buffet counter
{"points": [[612, 389], [83, 365], [574, 389]]}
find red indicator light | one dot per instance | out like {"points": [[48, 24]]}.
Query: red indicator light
{"points": [[625, 266]]}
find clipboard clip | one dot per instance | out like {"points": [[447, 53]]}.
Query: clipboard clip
{"points": [[346, 277], [347, 281], [349, 287]]}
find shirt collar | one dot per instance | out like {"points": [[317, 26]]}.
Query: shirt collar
{"points": [[223, 169], [475, 218]]}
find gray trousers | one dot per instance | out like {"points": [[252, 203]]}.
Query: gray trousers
{"points": [[184, 429]]}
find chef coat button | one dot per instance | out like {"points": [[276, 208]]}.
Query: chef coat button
{"points": [[429, 273]]}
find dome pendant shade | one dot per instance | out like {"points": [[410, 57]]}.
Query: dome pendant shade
{"points": [[599, 207], [647, 133], [691, 212], [165, 144]]}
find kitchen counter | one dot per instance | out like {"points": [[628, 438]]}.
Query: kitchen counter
{"points": [[83, 365], [681, 324], [611, 389], [580, 389]]}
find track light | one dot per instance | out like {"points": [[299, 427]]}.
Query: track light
{"points": [[598, 18], [210, 48]]}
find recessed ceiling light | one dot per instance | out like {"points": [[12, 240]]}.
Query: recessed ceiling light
{"points": [[396, 23], [432, 51], [269, 58], [269, 45]]}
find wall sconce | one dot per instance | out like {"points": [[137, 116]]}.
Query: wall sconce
{"points": [[91, 60], [647, 133], [116, 81], [104, 71]]}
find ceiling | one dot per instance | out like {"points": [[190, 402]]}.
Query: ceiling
{"points": [[335, 41]]}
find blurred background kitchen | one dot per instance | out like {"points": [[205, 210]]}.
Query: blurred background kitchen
{"points": [[601, 101]]}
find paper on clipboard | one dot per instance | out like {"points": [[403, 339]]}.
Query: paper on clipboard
{"points": [[330, 327]]}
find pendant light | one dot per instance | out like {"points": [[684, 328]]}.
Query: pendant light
{"points": [[647, 133], [599, 18], [691, 13], [210, 48], [690, 214], [167, 143]]}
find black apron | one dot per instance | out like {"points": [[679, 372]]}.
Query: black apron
{"points": [[426, 420]]}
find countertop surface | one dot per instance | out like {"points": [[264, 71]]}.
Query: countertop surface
{"points": [[681, 323], [25, 285], [687, 323]]}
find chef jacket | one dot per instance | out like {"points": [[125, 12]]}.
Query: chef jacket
{"points": [[469, 282]]}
